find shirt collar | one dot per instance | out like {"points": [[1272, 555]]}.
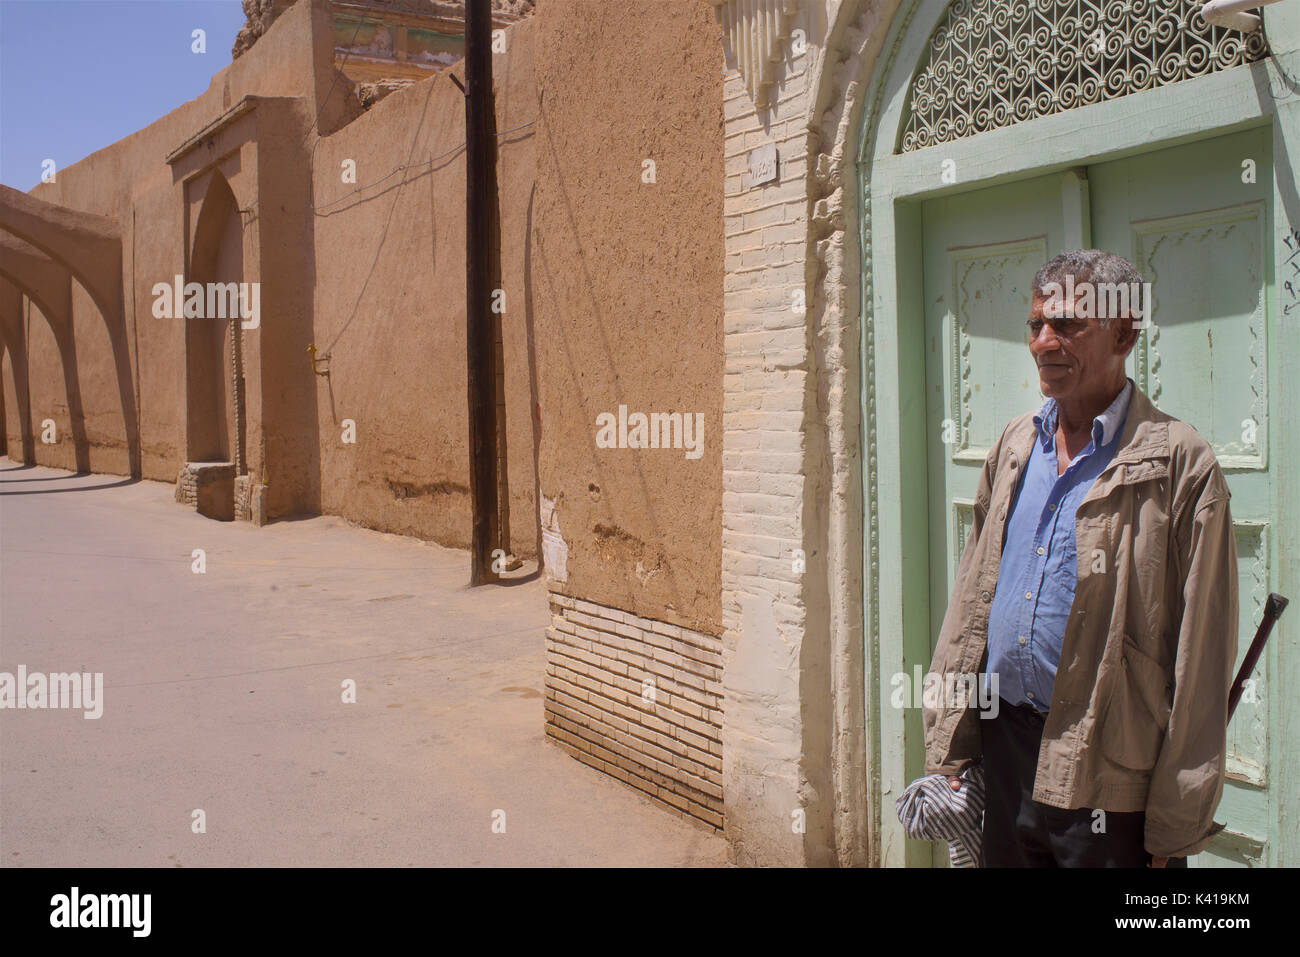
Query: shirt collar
{"points": [[1105, 426]]}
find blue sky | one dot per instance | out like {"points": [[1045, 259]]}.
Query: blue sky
{"points": [[76, 75]]}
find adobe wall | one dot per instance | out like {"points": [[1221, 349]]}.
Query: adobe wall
{"points": [[627, 280], [88, 432], [130, 182], [641, 528], [390, 306]]}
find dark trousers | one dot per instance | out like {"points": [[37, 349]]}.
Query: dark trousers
{"points": [[1021, 832]]}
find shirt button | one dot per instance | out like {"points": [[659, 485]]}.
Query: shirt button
{"points": [[1029, 694], [984, 596], [1040, 549], [1052, 507], [1029, 594], [1022, 639]]}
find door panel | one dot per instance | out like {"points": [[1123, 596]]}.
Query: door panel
{"points": [[1201, 237], [981, 251]]}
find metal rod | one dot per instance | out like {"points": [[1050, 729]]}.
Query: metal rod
{"points": [[1273, 608]]}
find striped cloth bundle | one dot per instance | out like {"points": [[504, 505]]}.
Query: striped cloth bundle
{"points": [[930, 810]]}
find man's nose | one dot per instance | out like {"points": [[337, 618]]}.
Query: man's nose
{"points": [[1046, 340]]}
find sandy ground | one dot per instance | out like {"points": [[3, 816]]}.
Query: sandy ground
{"points": [[223, 693]]}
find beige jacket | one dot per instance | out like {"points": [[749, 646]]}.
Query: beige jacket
{"points": [[1139, 708]]}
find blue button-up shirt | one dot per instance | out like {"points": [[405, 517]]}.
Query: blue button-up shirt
{"points": [[1038, 574]]}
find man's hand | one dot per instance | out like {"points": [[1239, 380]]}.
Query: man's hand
{"points": [[1158, 861]]}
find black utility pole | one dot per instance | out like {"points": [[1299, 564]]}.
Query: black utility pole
{"points": [[480, 346]]}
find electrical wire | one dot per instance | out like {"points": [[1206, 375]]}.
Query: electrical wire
{"points": [[430, 160], [338, 72]]}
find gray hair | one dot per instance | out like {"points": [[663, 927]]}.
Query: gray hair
{"points": [[1096, 266]]}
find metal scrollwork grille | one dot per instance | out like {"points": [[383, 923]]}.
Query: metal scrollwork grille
{"points": [[993, 63]]}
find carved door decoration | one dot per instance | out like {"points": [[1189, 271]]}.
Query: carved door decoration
{"points": [[992, 63]]}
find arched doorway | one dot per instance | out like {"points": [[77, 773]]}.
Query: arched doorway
{"points": [[213, 346], [997, 134]]}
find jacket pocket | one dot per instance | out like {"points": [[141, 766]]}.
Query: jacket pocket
{"points": [[1137, 714]]}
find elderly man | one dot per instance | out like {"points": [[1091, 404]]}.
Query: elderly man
{"points": [[1098, 584]]}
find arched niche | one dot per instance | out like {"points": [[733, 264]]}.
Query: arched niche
{"points": [[214, 420]]}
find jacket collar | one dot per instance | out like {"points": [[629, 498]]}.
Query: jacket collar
{"points": [[1105, 425], [1145, 436], [1146, 432]]}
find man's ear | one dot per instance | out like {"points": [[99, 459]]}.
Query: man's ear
{"points": [[1126, 335]]}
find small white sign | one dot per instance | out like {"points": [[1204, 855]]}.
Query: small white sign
{"points": [[762, 165]]}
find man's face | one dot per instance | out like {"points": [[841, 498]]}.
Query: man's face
{"points": [[1076, 357]]}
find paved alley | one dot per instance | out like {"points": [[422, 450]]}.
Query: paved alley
{"points": [[223, 693]]}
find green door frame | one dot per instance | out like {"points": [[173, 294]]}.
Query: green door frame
{"points": [[891, 188]]}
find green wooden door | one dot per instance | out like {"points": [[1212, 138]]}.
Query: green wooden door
{"points": [[1201, 236], [1198, 225]]}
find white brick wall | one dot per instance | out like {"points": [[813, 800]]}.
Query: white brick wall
{"points": [[794, 768], [765, 404], [666, 741]]}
